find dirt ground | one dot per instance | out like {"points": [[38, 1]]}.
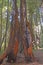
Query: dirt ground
{"points": [[20, 61]]}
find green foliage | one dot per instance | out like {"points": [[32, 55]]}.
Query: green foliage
{"points": [[5, 9], [18, 3], [32, 5]]}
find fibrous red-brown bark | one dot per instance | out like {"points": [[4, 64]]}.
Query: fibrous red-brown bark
{"points": [[14, 35], [12, 49]]}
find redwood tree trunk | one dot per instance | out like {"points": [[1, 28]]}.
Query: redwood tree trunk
{"points": [[23, 25], [23, 20], [12, 48]]}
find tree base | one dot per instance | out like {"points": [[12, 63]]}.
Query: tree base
{"points": [[1, 61]]}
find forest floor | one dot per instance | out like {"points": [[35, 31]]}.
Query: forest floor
{"points": [[20, 61]]}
